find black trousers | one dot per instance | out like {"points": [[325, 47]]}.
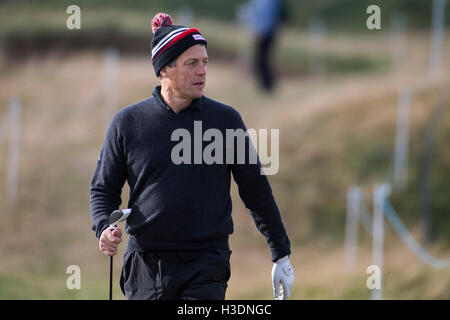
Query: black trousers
{"points": [[176, 275], [262, 65]]}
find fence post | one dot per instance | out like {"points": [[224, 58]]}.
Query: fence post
{"points": [[14, 150], [351, 227], [402, 139], [111, 85], [425, 165], [316, 46], [244, 40], [378, 233], [437, 38], [397, 39]]}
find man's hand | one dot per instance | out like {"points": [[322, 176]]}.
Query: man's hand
{"points": [[282, 274], [109, 241]]}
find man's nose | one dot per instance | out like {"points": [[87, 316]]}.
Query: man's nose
{"points": [[201, 69]]}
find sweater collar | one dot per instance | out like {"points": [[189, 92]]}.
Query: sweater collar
{"points": [[195, 104]]}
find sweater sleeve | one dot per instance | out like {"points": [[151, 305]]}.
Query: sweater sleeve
{"points": [[109, 177], [256, 193]]}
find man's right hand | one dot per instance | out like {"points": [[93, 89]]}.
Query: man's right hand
{"points": [[109, 241]]}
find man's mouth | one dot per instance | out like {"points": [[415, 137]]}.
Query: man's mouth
{"points": [[199, 84]]}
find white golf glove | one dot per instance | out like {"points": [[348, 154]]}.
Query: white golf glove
{"points": [[282, 278]]}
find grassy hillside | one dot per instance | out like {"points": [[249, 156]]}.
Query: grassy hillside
{"points": [[335, 131], [37, 29], [338, 14]]}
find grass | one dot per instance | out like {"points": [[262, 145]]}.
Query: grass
{"points": [[348, 15], [37, 29], [334, 132]]}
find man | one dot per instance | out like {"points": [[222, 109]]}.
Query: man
{"points": [[265, 18], [181, 213]]}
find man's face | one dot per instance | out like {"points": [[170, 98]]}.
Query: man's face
{"points": [[188, 77]]}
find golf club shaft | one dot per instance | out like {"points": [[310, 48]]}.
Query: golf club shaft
{"points": [[111, 227], [110, 277], [116, 216]]}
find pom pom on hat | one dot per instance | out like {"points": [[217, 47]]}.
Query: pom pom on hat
{"points": [[161, 20]]}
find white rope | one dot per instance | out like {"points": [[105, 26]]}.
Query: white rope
{"points": [[409, 240]]}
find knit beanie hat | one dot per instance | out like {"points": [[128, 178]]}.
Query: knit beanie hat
{"points": [[169, 41]]}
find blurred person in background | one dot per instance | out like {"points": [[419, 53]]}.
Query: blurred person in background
{"points": [[266, 17], [181, 213]]}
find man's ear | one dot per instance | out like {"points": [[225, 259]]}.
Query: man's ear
{"points": [[163, 72]]}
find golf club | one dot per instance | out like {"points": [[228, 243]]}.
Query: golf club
{"points": [[115, 217]]}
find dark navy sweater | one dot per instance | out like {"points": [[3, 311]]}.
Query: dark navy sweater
{"points": [[179, 206]]}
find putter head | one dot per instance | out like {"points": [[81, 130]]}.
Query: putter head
{"points": [[119, 216]]}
